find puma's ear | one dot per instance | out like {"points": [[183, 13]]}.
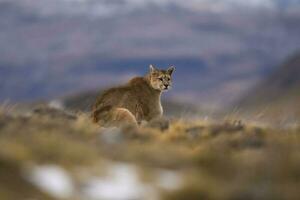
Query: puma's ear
{"points": [[170, 70], [152, 69]]}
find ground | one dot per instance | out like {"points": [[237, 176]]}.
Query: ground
{"points": [[48, 153]]}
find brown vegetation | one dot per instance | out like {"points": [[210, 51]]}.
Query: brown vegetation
{"points": [[223, 160]]}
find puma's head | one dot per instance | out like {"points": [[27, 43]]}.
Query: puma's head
{"points": [[161, 79]]}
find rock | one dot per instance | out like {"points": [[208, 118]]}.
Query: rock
{"points": [[53, 113], [111, 135], [159, 123], [194, 132]]}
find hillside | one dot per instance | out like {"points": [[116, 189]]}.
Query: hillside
{"points": [[279, 94], [48, 153]]}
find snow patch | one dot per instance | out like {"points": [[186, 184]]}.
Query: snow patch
{"points": [[169, 180], [57, 104], [122, 183], [52, 179]]}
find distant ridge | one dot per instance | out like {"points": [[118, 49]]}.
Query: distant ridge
{"points": [[279, 94], [104, 8]]}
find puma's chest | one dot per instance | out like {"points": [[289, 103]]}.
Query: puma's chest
{"points": [[156, 108], [160, 108], [152, 108]]}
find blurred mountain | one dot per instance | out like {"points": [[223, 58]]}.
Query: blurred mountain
{"points": [[220, 48], [279, 95], [112, 7]]}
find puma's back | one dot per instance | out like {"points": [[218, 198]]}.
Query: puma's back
{"points": [[134, 102]]}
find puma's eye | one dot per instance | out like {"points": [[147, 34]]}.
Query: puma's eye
{"points": [[168, 79], [161, 79]]}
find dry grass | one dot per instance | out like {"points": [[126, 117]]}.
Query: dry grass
{"points": [[223, 160]]}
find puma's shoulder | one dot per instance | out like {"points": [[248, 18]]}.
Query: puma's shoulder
{"points": [[138, 81]]}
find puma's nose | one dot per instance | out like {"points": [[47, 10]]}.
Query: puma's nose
{"points": [[166, 85]]}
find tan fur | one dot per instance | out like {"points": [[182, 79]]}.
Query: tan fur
{"points": [[134, 102]]}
